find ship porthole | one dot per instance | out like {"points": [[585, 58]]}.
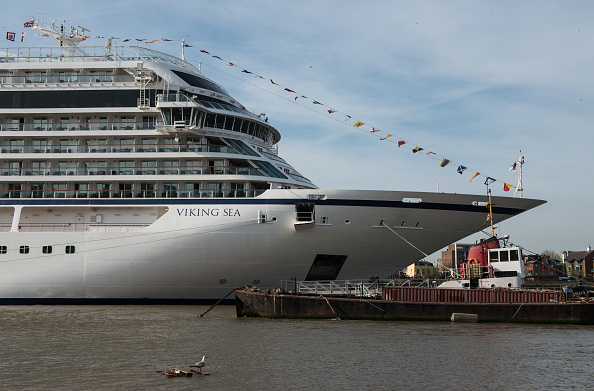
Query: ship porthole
{"points": [[222, 281], [256, 282], [347, 221]]}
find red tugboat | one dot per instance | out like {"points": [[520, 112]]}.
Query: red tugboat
{"points": [[490, 266]]}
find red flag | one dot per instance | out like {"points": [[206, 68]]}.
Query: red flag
{"points": [[429, 153], [331, 111], [373, 130], [204, 51], [230, 64], [506, 186], [286, 89], [401, 143]]}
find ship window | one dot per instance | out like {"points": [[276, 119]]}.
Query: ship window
{"points": [[70, 249], [494, 256], [149, 145], [3, 249], [24, 249], [228, 122], [513, 255], [220, 121], [47, 249], [197, 81], [209, 122], [237, 125], [36, 190], [148, 122], [504, 256], [170, 190], [35, 77], [147, 190]]}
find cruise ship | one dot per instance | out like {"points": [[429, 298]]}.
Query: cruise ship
{"points": [[130, 176]]}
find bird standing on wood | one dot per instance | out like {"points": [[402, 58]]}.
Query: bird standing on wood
{"points": [[200, 364]]}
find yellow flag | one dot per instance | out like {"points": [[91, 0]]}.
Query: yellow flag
{"points": [[474, 176], [388, 135], [358, 123]]}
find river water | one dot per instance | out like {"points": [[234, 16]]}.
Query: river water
{"points": [[121, 347]]}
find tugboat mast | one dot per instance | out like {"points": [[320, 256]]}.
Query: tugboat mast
{"points": [[517, 167]]}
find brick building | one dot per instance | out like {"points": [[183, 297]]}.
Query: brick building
{"points": [[454, 256], [579, 264], [539, 268]]}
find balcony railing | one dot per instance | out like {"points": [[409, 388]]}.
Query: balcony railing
{"points": [[156, 193], [117, 148], [86, 126], [179, 170]]}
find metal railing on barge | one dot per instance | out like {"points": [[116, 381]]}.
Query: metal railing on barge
{"points": [[349, 288]]}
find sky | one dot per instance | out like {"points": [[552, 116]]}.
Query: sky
{"points": [[473, 81]]}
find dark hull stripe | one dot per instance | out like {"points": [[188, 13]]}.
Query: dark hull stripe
{"points": [[256, 201]]}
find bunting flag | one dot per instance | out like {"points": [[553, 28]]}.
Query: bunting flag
{"points": [[444, 162], [29, 24], [85, 37], [513, 167], [187, 46], [22, 37], [10, 36], [488, 219]]}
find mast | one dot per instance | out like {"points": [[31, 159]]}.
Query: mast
{"points": [[517, 167]]}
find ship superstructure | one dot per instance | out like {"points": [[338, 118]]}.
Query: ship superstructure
{"points": [[129, 174]]}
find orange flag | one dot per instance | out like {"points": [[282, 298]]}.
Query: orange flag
{"points": [[474, 176]]}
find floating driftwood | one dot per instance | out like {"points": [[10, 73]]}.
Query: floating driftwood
{"points": [[176, 372]]}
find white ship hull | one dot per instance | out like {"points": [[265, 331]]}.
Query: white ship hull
{"points": [[201, 249]]}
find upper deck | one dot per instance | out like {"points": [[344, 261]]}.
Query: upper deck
{"points": [[10, 57]]}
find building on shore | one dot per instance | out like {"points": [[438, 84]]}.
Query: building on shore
{"points": [[422, 269], [456, 254], [541, 268], [579, 264]]}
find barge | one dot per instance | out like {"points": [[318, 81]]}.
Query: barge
{"points": [[417, 303]]}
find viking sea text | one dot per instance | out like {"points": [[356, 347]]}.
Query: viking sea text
{"points": [[215, 212]]}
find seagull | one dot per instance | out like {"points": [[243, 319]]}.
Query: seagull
{"points": [[199, 364]]}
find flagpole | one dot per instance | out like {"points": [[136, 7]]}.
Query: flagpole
{"points": [[491, 214], [183, 46]]}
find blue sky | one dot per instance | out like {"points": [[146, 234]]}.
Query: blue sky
{"points": [[473, 81]]}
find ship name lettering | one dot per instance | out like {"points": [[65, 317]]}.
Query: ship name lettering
{"points": [[214, 212]]}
